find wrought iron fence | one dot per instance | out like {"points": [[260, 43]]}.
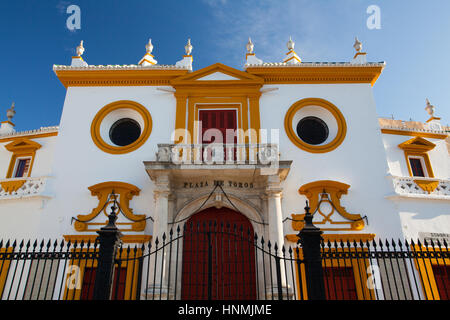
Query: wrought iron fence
{"points": [[223, 261], [247, 268]]}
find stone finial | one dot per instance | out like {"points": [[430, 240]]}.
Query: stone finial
{"points": [[291, 56], [80, 49], [250, 46], [187, 60], [430, 108], [148, 59], [149, 46], [10, 112], [188, 47], [360, 57], [357, 45], [250, 58], [290, 44]]}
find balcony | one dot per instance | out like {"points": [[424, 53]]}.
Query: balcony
{"points": [[418, 187], [228, 154], [18, 188]]}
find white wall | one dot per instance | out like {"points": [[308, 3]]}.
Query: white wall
{"points": [[439, 157], [423, 216], [359, 161], [80, 164], [20, 218]]}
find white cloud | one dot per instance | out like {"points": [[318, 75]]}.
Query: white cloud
{"points": [[270, 23]]}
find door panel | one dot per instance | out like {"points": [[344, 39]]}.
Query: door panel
{"points": [[218, 256]]}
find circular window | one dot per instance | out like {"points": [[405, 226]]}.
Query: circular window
{"points": [[312, 130], [121, 127], [315, 125], [124, 132]]}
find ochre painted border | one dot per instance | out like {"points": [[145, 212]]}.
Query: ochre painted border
{"points": [[340, 120], [123, 104]]}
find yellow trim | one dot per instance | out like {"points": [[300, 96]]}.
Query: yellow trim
{"points": [[193, 94], [123, 104], [335, 190], [9, 122], [418, 147], [128, 238], [340, 120], [21, 147], [415, 133], [359, 54], [427, 185], [425, 268], [127, 77], [132, 268], [125, 192], [4, 267], [11, 186], [338, 237], [317, 75], [359, 270], [433, 118], [31, 136]]}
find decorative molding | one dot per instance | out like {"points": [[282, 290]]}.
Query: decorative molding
{"points": [[427, 185], [31, 134], [29, 187], [124, 193], [418, 146], [10, 186], [410, 187], [122, 104], [340, 120], [133, 75], [333, 191], [21, 147], [315, 73], [415, 133]]}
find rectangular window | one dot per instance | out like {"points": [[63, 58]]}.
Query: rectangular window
{"points": [[340, 283], [416, 167], [442, 278], [22, 167]]}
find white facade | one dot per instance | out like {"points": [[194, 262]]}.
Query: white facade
{"points": [[367, 159]]}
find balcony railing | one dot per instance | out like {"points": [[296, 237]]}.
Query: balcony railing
{"points": [[421, 187], [218, 153], [17, 188]]}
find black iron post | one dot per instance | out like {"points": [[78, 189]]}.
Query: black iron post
{"points": [[310, 239], [109, 240]]}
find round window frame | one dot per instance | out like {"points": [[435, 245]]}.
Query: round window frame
{"points": [[123, 104], [323, 148]]}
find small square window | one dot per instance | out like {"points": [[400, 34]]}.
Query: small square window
{"points": [[22, 167]]}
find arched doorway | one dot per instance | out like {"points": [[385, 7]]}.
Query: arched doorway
{"points": [[218, 256]]}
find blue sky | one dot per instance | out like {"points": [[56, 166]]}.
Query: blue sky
{"points": [[414, 40]]}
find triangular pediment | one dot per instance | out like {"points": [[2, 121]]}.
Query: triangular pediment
{"points": [[22, 144], [217, 76], [417, 143], [218, 73]]}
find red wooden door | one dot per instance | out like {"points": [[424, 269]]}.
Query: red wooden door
{"points": [[119, 282], [442, 277], [218, 257], [220, 120], [340, 283]]}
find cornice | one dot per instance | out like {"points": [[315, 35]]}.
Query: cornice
{"points": [[317, 73]]}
